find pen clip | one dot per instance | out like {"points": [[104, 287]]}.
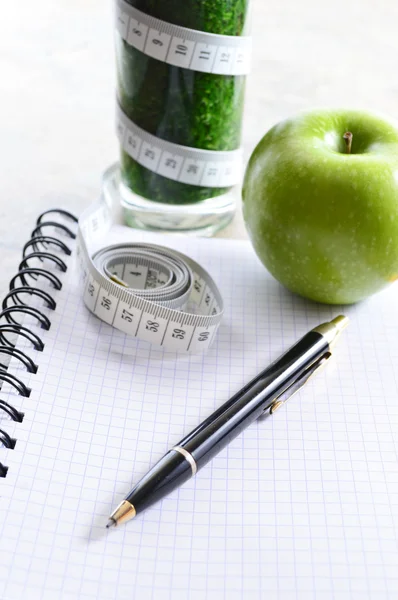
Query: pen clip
{"points": [[299, 383]]}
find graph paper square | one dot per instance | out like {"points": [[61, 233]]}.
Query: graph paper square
{"points": [[303, 505]]}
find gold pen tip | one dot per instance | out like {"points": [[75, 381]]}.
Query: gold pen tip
{"points": [[111, 523], [340, 322]]}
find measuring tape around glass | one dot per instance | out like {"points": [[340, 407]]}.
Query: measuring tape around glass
{"points": [[150, 292], [208, 168], [183, 47]]}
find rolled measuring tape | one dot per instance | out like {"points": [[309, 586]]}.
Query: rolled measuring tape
{"points": [[183, 47], [147, 291]]}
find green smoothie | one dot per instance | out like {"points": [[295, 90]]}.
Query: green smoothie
{"points": [[194, 109]]}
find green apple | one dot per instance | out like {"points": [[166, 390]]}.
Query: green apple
{"points": [[320, 202]]}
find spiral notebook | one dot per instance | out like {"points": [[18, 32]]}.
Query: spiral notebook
{"points": [[302, 505]]}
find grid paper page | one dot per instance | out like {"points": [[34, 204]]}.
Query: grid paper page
{"points": [[303, 505]]}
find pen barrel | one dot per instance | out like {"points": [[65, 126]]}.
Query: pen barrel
{"points": [[216, 432], [168, 474], [227, 422]]}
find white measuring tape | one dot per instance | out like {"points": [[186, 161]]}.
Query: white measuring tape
{"points": [[149, 292], [208, 168], [183, 47]]}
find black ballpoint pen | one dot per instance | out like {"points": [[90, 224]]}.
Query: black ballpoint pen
{"points": [[266, 392]]}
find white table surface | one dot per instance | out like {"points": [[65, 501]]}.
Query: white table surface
{"points": [[57, 92]]}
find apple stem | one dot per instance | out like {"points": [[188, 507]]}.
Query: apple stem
{"points": [[348, 141]]}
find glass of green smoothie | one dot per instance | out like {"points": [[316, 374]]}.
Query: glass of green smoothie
{"points": [[181, 70]]}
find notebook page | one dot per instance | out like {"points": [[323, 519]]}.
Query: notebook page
{"points": [[302, 505]]}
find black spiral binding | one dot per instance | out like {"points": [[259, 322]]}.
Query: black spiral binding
{"points": [[22, 287]]}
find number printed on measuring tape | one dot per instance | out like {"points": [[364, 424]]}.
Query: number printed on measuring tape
{"points": [[149, 292], [194, 166], [183, 47]]}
